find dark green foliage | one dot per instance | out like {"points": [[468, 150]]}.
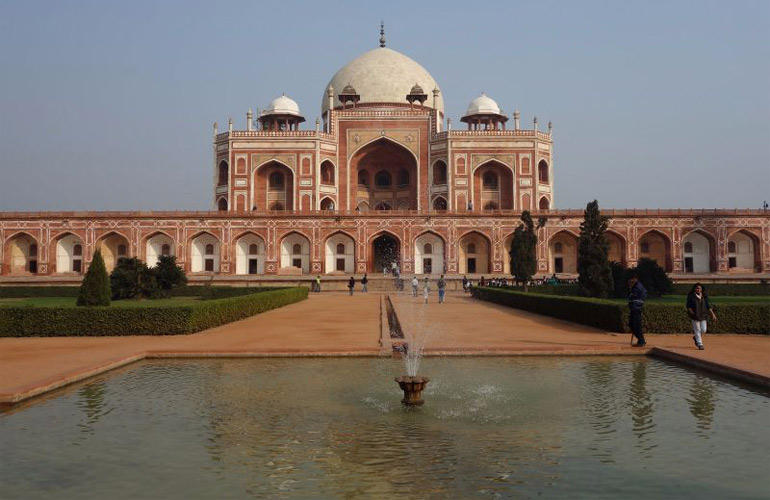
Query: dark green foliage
{"points": [[653, 277], [523, 249], [168, 275], [611, 316], [23, 292], [132, 279], [216, 292], [619, 279], [725, 289], [595, 276], [29, 321], [95, 289]]}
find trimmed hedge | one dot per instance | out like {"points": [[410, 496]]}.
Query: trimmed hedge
{"points": [[725, 289], [611, 316], [29, 321], [216, 292]]}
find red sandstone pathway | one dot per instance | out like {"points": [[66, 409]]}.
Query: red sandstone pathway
{"points": [[337, 325]]}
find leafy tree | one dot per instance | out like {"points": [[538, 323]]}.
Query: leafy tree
{"points": [[168, 275], [653, 277], [595, 276], [95, 289], [131, 278], [619, 279], [523, 249]]}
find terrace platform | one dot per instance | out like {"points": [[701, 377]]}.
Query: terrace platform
{"points": [[334, 324]]}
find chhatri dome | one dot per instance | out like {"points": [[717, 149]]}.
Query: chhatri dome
{"points": [[382, 75], [282, 106], [483, 104]]}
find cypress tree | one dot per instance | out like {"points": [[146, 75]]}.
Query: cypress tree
{"points": [[593, 250], [523, 249], [95, 289]]}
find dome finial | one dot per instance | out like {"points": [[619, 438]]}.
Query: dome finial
{"points": [[382, 34]]}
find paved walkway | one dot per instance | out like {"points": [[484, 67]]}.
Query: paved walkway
{"points": [[334, 324]]}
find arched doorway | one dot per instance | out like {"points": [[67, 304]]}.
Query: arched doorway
{"points": [[474, 254], [697, 253], [295, 254], [429, 254], [274, 186], [493, 186], [204, 253], [340, 254], [250, 255], [156, 246], [386, 253], [654, 245], [21, 254], [114, 246], [617, 248], [743, 252], [563, 250], [385, 173], [69, 254], [439, 204]]}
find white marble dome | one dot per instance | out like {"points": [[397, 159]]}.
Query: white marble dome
{"points": [[382, 75], [282, 106], [483, 105]]}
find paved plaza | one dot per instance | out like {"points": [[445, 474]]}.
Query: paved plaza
{"points": [[334, 324]]}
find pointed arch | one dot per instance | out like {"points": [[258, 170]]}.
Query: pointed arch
{"points": [[562, 250], [493, 185], [250, 249], [295, 253], [429, 253], [20, 254], [386, 250], [156, 244], [700, 256], [656, 245], [439, 204], [383, 170], [474, 252], [618, 247], [743, 251], [273, 184], [204, 252], [542, 172], [337, 261], [70, 252], [327, 203], [328, 173], [440, 172], [114, 245]]}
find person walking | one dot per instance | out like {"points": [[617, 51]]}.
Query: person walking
{"points": [[466, 286], [441, 289], [699, 309], [636, 296], [364, 282], [318, 283], [426, 289], [415, 285], [351, 285]]}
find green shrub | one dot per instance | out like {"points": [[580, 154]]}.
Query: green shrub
{"points": [[24, 292], [27, 321], [725, 289], [95, 289], [132, 279], [612, 316], [168, 275]]}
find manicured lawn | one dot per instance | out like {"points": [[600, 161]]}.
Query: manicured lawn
{"points": [[71, 301], [682, 299]]}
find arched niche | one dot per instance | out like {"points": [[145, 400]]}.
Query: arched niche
{"points": [[204, 254], [249, 254], [698, 253], [340, 254], [474, 254], [439, 173], [113, 246], [21, 254], [493, 186], [429, 254], [327, 173], [295, 254], [656, 246], [384, 171], [562, 248], [274, 186], [70, 251], [157, 245]]}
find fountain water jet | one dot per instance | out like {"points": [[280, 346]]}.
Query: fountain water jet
{"points": [[411, 383]]}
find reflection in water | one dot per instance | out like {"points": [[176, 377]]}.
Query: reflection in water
{"points": [[642, 408], [91, 400], [702, 403], [601, 404], [298, 428]]}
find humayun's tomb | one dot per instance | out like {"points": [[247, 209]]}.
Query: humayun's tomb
{"points": [[383, 177]]}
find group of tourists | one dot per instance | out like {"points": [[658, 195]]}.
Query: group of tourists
{"points": [[699, 311], [440, 284]]}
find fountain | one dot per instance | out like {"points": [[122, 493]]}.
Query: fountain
{"points": [[411, 383]]}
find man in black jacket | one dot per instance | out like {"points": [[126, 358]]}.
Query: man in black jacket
{"points": [[636, 295]]}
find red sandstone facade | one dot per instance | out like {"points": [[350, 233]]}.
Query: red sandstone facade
{"points": [[378, 183]]}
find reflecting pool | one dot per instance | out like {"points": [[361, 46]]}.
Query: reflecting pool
{"points": [[335, 428]]}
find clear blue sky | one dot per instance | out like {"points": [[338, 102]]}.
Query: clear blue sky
{"points": [[108, 105]]}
